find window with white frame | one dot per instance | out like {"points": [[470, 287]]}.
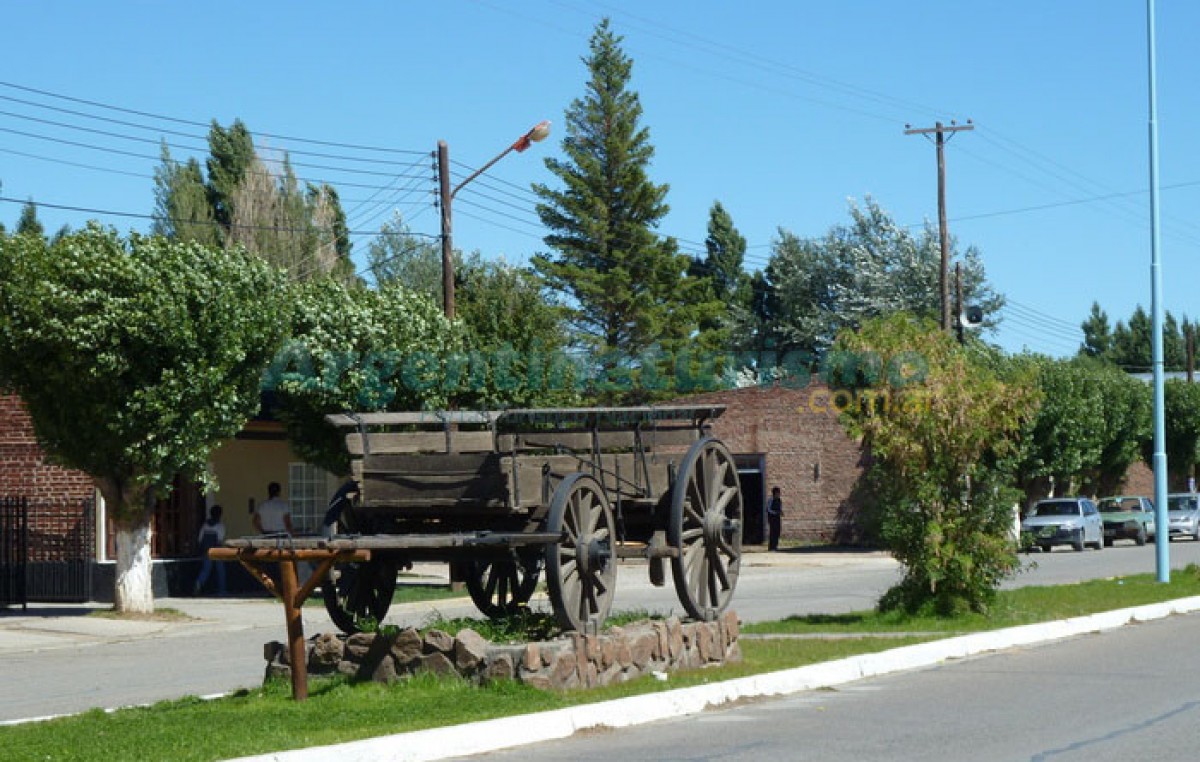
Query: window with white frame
{"points": [[307, 495]]}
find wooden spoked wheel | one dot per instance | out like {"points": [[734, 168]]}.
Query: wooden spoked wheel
{"points": [[356, 593], [581, 568], [706, 529], [502, 587]]}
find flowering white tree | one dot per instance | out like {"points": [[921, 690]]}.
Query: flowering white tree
{"points": [[135, 358], [869, 268]]}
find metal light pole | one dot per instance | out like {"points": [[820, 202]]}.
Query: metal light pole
{"points": [[446, 194], [1162, 538]]}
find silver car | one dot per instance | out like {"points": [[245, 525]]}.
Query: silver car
{"points": [[1183, 515], [1073, 521]]}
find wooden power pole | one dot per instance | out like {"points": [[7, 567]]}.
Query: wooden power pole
{"points": [[940, 130]]}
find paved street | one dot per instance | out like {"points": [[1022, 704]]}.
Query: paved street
{"points": [[1127, 694], [78, 662]]}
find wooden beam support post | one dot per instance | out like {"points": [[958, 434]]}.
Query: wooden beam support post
{"points": [[290, 592], [295, 629]]}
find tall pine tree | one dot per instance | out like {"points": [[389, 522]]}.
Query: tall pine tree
{"points": [[728, 283], [628, 287]]}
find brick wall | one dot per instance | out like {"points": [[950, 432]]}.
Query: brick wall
{"points": [[808, 454], [55, 494]]}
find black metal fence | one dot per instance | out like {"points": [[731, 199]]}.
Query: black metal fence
{"points": [[46, 552], [14, 550]]}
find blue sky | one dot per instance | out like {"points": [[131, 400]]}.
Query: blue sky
{"points": [[784, 111]]}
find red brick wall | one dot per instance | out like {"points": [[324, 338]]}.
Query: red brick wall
{"points": [[817, 466], [55, 494]]}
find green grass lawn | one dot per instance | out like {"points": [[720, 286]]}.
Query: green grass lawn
{"points": [[266, 719]]}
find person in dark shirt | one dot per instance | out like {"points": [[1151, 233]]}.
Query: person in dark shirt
{"points": [[774, 519], [212, 535]]}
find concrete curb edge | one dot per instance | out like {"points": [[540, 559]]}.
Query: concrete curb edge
{"points": [[507, 732]]}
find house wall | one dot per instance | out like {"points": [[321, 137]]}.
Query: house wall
{"points": [[55, 493], [808, 454], [244, 466]]}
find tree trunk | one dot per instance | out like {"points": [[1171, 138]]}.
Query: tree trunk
{"points": [[134, 590], [132, 511]]}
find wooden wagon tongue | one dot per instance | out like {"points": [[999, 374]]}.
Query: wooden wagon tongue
{"points": [[505, 496]]}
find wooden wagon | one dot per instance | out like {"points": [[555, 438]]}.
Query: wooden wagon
{"points": [[507, 497]]}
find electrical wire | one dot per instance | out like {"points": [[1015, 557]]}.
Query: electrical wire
{"points": [[177, 120]]}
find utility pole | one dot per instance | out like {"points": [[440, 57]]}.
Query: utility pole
{"points": [[444, 198], [940, 130]]}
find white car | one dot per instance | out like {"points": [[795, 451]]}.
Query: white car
{"points": [[1183, 515], [1073, 521]]}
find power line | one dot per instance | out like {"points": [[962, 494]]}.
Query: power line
{"points": [[176, 120], [144, 216]]}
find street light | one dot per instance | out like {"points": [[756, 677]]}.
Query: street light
{"points": [[537, 133]]}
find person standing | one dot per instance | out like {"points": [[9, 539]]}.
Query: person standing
{"points": [[274, 516], [212, 535], [774, 519]]}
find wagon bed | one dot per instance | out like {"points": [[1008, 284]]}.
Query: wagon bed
{"points": [[509, 496]]}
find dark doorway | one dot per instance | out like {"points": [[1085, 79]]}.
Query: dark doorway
{"points": [[177, 520], [750, 476]]}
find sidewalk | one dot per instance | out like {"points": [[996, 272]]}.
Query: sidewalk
{"points": [[46, 627]]}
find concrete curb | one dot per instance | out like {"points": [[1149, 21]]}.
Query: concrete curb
{"points": [[506, 732]]}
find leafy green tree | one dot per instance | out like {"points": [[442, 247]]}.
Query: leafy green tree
{"points": [[869, 268], [253, 202], [728, 283], [357, 349], [1132, 349], [397, 254], [627, 286], [754, 330], [938, 423], [1182, 419], [28, 223], [1097, 334], [231, 156], [339, 228], [1131, 344], [511, 326], [182, 207], [1064, 441], [1127, 427], [136, 357]]}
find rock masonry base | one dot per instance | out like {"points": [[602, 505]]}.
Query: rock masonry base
{"points": [[572, 661]]}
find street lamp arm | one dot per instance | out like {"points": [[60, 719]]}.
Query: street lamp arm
{"points": [[446, 195], [538, 132], [480, 171]]}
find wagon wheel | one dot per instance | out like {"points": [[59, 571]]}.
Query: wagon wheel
{"points": [[355, 592], [502, 587], [706, 528], [581, 570]]}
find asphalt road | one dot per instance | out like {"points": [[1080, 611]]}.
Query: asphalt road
{"points": [[60, 668], [1127, 694]]}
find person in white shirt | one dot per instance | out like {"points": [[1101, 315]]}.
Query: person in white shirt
{"points": [[274, 516]]}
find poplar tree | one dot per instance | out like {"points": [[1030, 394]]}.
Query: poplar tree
{"points": [[627, 286]]}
